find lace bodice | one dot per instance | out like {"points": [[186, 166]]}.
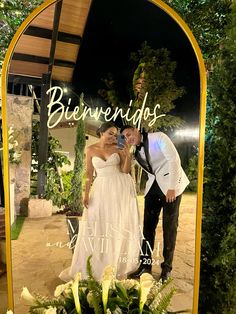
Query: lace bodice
{"points": [[110, 166]]}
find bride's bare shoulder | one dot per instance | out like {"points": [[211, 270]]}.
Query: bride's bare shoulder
{"points": [[91, 148]]}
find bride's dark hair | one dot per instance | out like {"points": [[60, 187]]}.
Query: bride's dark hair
{"points": [[105, 126]]}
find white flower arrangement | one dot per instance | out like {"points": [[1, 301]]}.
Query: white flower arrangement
{"points": [[14, 150], [108, 296]]}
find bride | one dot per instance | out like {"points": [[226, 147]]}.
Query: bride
{"points": [[109, 230]]}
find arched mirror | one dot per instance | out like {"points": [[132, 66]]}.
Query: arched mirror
{"points": [[135, 55]]}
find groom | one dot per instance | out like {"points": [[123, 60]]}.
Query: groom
{"points": [[158, 156]]}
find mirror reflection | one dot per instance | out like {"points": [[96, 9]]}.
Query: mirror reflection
{"points": [[126, 55]]}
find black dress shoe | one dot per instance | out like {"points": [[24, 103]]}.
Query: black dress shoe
{"points": [[165, 275], [137, 273]]}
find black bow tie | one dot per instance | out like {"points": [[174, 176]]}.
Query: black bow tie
{"points": [[138, 147]]}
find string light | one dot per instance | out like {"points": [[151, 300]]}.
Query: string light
{"points": [[189, 133]]}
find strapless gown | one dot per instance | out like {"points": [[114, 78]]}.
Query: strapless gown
{"points": [[110, 228]]}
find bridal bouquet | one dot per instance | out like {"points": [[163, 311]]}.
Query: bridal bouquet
{"points": [[108, 296]]}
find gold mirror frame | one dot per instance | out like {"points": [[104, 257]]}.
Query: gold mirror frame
{"points": [[203, 87]]}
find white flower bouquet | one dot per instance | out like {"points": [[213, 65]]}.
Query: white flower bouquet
{"points": [[108, 296]]}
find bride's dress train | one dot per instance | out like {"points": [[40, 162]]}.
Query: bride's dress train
{"points": [[109, 230]]}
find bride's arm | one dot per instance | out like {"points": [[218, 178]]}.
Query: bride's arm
{"points": [[89, 175], [126, 159]]}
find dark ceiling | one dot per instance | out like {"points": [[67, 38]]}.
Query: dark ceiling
{"points": [[114, 29]]}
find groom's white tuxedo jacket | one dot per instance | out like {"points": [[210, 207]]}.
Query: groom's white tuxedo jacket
{"points": [[166, 165]]}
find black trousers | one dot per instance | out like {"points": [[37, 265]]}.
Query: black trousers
{"points": [[155, 200]]}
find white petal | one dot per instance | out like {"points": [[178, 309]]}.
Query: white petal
{"points": [[25, 294]]}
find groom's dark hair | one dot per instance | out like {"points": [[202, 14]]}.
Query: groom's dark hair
{"points": [[127, 126]]}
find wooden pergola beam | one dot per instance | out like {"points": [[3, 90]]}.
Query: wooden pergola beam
{"points": [[56, 22], [46, 83], [47, 34], [42, 60], [43, 134]]}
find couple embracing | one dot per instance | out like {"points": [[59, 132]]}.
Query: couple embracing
{"points": [[110, 229]]}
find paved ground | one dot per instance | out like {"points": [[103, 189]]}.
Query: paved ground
{"points": [[40, 253]]}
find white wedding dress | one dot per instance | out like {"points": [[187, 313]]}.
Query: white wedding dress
{"points": [[110, 229]]}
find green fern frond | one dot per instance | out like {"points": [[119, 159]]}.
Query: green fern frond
{"points": [[164, 302], [94, 287], [40, 307], [96, 302], [165, 284]]}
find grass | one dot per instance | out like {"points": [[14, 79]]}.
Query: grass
{"points": [[16, 227]]}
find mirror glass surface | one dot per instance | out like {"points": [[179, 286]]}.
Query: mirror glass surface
{"points": [[104, 68]]}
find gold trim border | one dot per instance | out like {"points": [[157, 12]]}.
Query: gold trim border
{"points": [[203, 93], [5, 66]]}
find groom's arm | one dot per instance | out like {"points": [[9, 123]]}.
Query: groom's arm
{"points": [[172, 160]]}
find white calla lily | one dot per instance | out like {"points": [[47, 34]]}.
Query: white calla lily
{"points": [[66, 288], [75, 291], [50, 310], [59, 290], [27, 296], [107, 278], [146, 283]]}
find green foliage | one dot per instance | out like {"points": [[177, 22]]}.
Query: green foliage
{"points": [[54, 188], [123, 296], [206, 19], [76, 199], [16, 227], [159, 83], [15, 151], [66, 177], [12, 14], [65, 188], [192, 172], [219, 223]]}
